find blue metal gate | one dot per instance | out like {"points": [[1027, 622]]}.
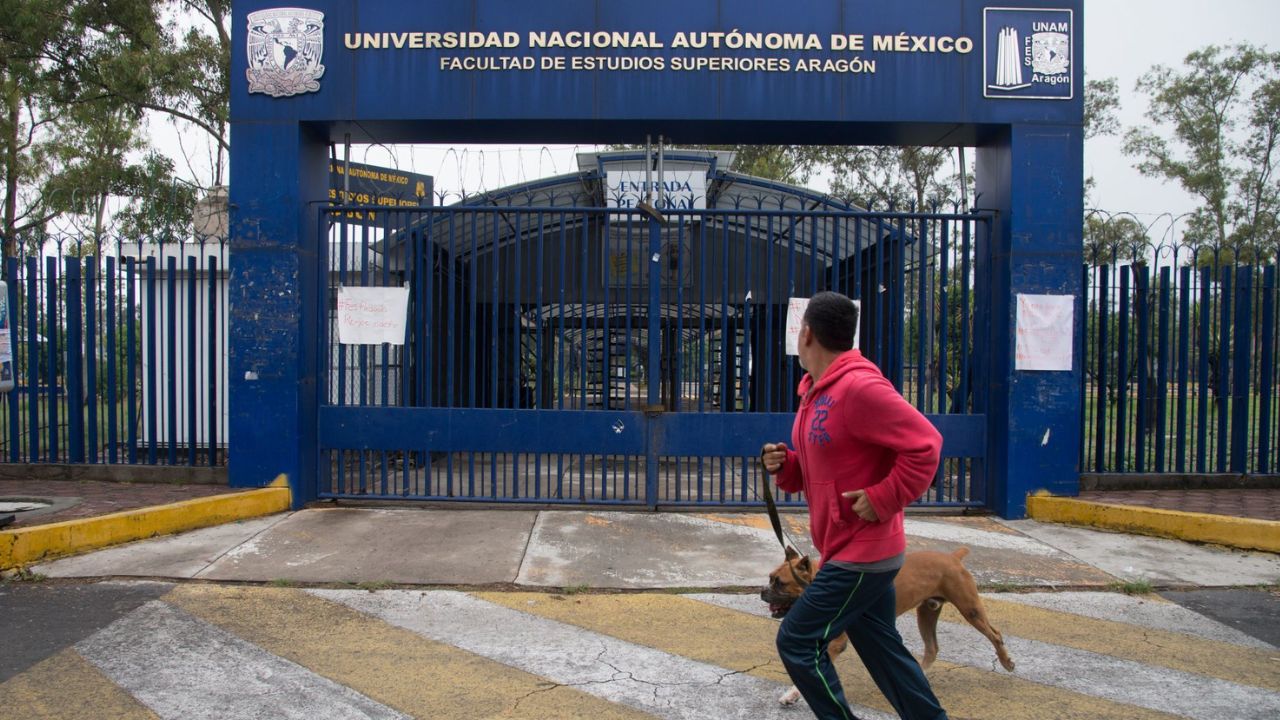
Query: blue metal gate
{"points": [[592, 355]]}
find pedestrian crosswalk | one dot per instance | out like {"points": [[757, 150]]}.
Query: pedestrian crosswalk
{"points": [[234, 651]]}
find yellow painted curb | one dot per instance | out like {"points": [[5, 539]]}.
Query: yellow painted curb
{"points": [[1244, 533], [45, 542]]}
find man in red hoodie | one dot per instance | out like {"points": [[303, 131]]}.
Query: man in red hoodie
{"points": [[861, 454]]}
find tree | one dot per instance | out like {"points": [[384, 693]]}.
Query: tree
{"points": [[1114, 239], [890, 176], [1101, 105], [30, 26], [1220, 111]]}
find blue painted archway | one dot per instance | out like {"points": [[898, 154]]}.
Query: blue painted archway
{"points": [[914, 72]]}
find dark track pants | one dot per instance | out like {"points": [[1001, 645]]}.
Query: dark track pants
{"points": [[861, 604]]}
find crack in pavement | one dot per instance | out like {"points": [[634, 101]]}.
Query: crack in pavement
{"points": [[618, 674]]}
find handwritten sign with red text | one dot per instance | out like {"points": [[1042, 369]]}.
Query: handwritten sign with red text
{"points": [[372, 315]]}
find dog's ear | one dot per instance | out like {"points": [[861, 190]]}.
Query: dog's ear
{"points": [[791, 553], [804, 565]]}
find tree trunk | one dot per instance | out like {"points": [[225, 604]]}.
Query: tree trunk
{"points": [[11, 177]]}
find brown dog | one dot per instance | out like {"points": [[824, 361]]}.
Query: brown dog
{"points": [[927, 580]]}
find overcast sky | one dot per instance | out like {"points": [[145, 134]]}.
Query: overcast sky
{"points": [[1123, 38]]}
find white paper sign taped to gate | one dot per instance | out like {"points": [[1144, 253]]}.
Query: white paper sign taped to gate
{"points": [[1045, 332], [372, 315], [795, 315]]}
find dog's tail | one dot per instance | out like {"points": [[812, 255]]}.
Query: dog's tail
{"points": [[960, 553]]}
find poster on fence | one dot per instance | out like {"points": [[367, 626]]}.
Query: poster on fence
{"points": [[372, 315], [795, 315], [1045, 328], [6, 342]]}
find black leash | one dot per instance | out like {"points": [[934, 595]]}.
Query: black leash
{"points": [[773, 511], [777, 522]]}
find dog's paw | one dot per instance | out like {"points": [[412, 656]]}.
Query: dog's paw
{"points": [[790, 697]]}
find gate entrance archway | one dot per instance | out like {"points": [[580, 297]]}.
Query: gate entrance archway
{"points": [[918, 72]]}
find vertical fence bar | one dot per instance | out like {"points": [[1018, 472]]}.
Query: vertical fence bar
{"points": [[213, 407], [1162, 371], [1142, 356], [1122, 373], [921, 314], [51, 329], [1202, 420], [1184, 364], [170, 363], [944, 314], [192, 354], [131, 358], [654, 371], [1222, 388], [113, 364], [1265, 385], [32, 281], [14, 407], [1086, 413], [1101, 401], [91, 352], [151, 380], [1240, 370], [75, 356]]}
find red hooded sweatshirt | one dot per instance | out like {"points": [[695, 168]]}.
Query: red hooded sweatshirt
{"points": [[855, 432]]}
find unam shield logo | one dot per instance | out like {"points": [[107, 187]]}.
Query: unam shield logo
{"points": [[285, 47], [1028, 54]]}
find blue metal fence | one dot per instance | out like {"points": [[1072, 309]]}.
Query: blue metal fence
{"points": [[119, 353], [1179, 368], [566, 354]]}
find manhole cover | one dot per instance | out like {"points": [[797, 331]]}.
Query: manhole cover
{"points": [[8, 505]]}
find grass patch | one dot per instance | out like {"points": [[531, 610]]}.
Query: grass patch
{"points": [[23, 575], [281, 582], [576, 589], [373, 585], [1132, 587]]}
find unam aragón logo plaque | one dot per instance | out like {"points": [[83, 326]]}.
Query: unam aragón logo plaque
{"points": [[285, 48], [1028, 54]]}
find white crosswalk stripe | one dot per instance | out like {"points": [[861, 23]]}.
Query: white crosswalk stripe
{"points": [[186, 669], [1088, 673], [1140, 611], [665, 685]]}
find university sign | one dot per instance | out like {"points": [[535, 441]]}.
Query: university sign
{"points": [[915, 61]]}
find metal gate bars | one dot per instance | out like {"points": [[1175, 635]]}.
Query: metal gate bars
{"points": [[592, 355]]}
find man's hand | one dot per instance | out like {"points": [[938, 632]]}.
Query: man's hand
{"points": [[772, 456], [861, 505]]}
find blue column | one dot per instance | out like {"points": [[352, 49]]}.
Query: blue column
{"points": [[278, 178], [1033, 177]]}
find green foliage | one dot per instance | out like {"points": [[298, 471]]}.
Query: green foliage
{"points": [[1114, 239], [1215, 127], [1132, 587], [1101, 103]]}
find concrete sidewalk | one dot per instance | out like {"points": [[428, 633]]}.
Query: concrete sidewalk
{"points": [[539, 549]]}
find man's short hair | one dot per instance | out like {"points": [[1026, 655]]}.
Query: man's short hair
{"points": [[833, 318]]}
